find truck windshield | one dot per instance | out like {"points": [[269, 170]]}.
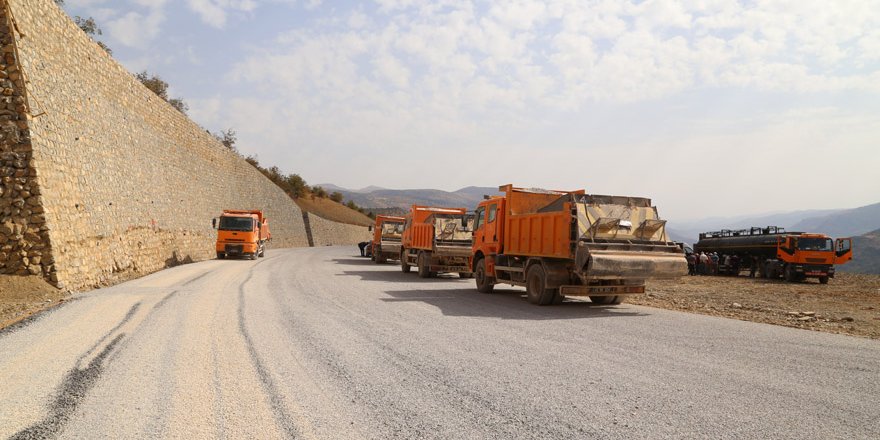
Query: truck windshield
{"points": [[815, 244], [392, 229], [236, 224]]}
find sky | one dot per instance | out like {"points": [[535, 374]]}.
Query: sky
{"points": [[709, 107]]}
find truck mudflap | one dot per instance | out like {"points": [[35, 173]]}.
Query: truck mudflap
{"points": [[630, 261]]}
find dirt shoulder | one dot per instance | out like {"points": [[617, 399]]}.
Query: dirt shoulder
{"points": [[21, 297], [848, 304]]}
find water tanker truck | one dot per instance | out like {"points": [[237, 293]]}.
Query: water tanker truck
{"points": [[387, 234], [795, 256], [569, 243], [437, 240], [241, 233]]}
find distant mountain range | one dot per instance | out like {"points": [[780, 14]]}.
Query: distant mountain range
{"points": [[373, 197], [866, 254], [833, 222]]}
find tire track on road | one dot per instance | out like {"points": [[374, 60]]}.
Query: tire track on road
{"points": [[282, 417]]}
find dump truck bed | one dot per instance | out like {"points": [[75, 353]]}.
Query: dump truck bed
{"points": [[608, 237]]}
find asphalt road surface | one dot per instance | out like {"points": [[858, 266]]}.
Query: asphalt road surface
{"points": [[318, 343]]}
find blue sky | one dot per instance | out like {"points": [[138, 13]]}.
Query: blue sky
{"points": [[710, 107]]}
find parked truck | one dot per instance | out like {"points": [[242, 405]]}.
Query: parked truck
{"points": [[437, 240], [569, 243], [387, 234], [772, 253], [241, 233]]}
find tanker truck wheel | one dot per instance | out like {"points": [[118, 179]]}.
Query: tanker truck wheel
{"points": [[536, 287], [404, 265], [484, 283], [823, 280], [788, 274], [262, 251], [221, 255]]}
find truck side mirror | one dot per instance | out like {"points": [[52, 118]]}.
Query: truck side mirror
{"points": [[214, 223]]}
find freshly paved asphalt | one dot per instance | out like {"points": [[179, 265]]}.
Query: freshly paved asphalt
{"points": [[318, 343]]}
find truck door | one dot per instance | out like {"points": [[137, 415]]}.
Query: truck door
{"points": [[843, 250], [479, 229], [490, 231]]}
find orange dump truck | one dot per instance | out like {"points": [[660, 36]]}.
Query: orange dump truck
{"points": [[241, 233], [437, 240], [387, 233], [558, 243]]}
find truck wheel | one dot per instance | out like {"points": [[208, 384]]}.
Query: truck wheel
{"points": [[484, 283], [424, 272], [609, 300], [404, 265], [380, 257], [788, 274], [262, 251], [221, 255], [823, 280], [536, 289]]}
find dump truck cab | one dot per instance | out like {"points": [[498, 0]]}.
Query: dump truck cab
{"points": [[241, 233], [558, 243], [387, 235]]}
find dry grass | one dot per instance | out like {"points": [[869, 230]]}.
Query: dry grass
{"points": [[331, 210]]}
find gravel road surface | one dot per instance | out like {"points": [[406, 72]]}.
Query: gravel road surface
{"points": [[317, 343]]}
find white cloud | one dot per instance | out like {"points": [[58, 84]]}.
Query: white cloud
{"points": [[214, 12], [138, 29]]}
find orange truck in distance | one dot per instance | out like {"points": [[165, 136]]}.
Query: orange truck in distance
{"points": [[437, 240], [558, 243], [241, 233], [387, 234], [772, 252]]}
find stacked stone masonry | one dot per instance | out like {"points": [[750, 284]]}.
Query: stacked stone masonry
{"points": [[329, 233], [101, 180]]}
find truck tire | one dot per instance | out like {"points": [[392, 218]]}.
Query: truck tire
{"points": [[788, 274], [262, 251], [606, 300], [536, 287], [221, 255], [424, 272], [485, 284], [823, 280], [404, 265], [380, 257]]}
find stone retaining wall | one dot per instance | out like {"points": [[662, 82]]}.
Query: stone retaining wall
{"points": [[99, 178], [328, 233]]}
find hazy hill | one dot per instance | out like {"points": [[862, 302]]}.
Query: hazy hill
{"points": [[402, 198], [833, 222], [866, 254], [847, 223]]}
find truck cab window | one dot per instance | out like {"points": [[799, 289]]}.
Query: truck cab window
{"points": [[492, 209], [480, 214]]}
